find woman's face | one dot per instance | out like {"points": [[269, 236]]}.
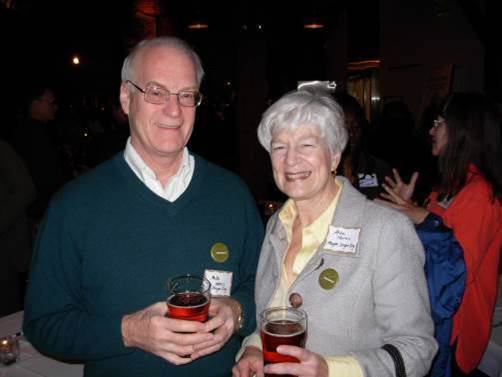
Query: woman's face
{"points": [[439, 136], [302, 163]]}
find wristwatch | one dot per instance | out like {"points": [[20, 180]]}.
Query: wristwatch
{"points": [[240, 319]]}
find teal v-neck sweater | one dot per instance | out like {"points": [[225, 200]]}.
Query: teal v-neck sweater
{"points": [[106, 248]]}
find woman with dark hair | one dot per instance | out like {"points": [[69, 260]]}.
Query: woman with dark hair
{"points": [[466, 137]]}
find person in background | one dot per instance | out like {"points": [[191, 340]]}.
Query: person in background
{"points": [[364, 171], [36, 141], [354, 266], [17, 192], [112, 238], [115, 133], [394, 140], [466, 137]]}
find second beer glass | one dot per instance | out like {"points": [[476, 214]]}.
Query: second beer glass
{"points": [[282, 326]]}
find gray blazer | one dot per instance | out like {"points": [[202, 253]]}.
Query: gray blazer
{"points": [[380, 296]]}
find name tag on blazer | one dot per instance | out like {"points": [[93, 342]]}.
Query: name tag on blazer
{"points": [[342, 241]]}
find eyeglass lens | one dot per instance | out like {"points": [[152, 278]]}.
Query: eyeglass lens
{"points": [[187, 98]]}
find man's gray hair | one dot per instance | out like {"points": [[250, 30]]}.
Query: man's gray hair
{"points": [[305, 108], [128, 68]]}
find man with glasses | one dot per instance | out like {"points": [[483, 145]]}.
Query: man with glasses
{"points": [[112, 238]]}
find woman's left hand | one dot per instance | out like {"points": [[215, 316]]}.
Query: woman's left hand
{"points": [[394, 200], [311, 364]]}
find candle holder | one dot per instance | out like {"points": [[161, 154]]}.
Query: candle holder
{"points": [[9, 349]]}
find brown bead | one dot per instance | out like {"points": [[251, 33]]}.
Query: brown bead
{"points": [[295, 300]]}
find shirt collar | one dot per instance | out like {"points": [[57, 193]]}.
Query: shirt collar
{"points": [[320, 225], [144, 172]]}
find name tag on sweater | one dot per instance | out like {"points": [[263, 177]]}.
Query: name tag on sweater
{"points": [[343, 240], [221, 282]]}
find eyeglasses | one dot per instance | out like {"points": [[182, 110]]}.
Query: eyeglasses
{"points": [[437, 122], [159, 96]]}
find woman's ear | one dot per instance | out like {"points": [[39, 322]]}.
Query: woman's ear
{"points": [[335, 160]]}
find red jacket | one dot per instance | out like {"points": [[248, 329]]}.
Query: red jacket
{"points": [[476, 221]]}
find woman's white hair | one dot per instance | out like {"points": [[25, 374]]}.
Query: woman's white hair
{"points": [[305, 108], [128, 68]]}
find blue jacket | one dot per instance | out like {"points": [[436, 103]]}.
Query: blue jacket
{"points": [[445, 273]]}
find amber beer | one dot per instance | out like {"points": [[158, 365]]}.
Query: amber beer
{"points": [[188, 298], [191, 306], [282, 326]]}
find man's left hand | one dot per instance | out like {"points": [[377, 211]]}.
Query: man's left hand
{"points": [[224, 313]]}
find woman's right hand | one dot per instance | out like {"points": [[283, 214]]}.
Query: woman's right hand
{"points": [[404, 190], [250, 364]]}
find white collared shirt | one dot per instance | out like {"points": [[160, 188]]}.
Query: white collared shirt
{"points": [[176, 185]]}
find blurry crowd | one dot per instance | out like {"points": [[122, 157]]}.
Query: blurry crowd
{"points": [[43, 146]]}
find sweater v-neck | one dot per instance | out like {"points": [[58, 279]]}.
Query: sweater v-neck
{"points": [[133, 183]]}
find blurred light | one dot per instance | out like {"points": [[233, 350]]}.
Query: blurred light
{"points": [[149, 8], [198, 21], [328, 86], [313, 21], [75, 60], [375, 98], [197, 25], [313, 25], [363, 65]]}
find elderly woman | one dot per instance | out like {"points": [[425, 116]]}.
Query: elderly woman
{"points": [[355, 267]]}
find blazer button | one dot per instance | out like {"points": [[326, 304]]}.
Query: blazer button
{"points": [[295, 300]]}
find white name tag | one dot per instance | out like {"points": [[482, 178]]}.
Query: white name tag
{"points": [[221, 282], [342, 239], [368, 180]]}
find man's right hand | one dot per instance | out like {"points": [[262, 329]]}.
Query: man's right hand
{"points": [[172, 339]]}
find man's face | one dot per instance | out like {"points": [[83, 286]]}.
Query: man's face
{"points": [[159, 130], [44, 108]]}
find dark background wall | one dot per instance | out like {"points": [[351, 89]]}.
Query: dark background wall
{"points": [[253, 52]]}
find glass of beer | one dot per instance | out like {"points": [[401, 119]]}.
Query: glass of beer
{"points": [[282, 326], [188, 297]]}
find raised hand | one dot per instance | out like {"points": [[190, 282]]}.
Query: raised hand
{"points": [[394, 200], [404, 190]]}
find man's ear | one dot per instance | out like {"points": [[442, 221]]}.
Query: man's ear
{"points": [[124, 97]]}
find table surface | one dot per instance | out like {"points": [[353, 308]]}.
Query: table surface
{"points": [[32, 363]]}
